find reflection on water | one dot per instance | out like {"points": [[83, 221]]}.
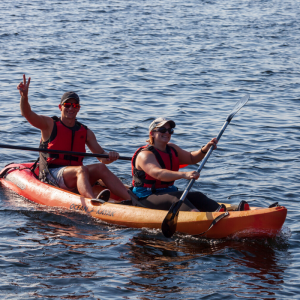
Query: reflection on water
{"points": [[57, 249], [248, 267]]}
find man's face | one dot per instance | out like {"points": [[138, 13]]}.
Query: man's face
{"points": [[69, 109]]}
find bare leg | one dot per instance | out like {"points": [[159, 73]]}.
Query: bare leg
{"points": [[79, 177], [112, 182], [83, 177]]}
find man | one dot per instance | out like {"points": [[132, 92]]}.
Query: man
{"points": [[66, 134]]}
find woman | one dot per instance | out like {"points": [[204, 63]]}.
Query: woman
{"points": [[155, 167]]}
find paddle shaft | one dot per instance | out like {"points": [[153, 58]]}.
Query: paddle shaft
{"points": [[169, 223], [204, 160], [236, 108], [67, 152], [61, 152]]}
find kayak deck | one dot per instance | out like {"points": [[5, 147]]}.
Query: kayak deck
{"points": [[256, 222]]}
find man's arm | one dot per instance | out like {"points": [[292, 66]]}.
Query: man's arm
{"points": [[43, 123], [94, 146]]}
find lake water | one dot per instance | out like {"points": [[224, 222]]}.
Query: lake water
{"points": [[130, 62]]}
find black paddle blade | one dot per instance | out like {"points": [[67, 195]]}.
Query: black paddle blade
{"points": [[238, 106], [168, 226]]}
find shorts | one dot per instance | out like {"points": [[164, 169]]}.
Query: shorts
{"points": [[57, 174]]}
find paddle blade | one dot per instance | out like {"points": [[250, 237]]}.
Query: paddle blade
{"points": [[168, 226], [238, 106], [182, 166]]}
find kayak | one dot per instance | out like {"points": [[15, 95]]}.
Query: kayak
{"points": [[256, 222]]}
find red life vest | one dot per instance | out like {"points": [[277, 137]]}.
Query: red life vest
{"points": [[66, 139], [168, 160]]}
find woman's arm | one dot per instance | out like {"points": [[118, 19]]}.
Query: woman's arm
{"points": [[147, 162], [190, 158]]}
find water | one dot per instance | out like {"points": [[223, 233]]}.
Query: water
{"points": [[132, 61]]}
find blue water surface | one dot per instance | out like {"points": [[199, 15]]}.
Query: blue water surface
{"points": [[130, 62]]}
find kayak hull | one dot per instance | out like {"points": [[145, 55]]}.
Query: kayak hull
{"points": [[256, 222]]}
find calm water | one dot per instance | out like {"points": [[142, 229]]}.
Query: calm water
{"points": [[132, 61]]}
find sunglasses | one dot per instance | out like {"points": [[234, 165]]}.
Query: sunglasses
{"points": [[68, 105], [164, 130]]}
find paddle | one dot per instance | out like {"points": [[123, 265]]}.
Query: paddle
{"points": [[67, 152], [169, 224], [61, 152]]}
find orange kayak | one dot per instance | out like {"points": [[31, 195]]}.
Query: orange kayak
{"points": [[256, 222]]}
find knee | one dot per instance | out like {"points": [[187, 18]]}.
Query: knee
{"points": [[82, 170], [102, 167], [99, 170], [173, 199]]}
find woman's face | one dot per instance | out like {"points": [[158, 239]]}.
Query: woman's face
{"points": [[162, 137]]}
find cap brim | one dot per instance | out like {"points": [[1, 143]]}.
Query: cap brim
{"points": [[171, 122], [69, 99]]}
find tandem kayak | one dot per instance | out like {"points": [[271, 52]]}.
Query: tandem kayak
{"points": [[256, 222]]}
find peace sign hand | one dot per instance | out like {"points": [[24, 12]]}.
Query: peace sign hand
{"points": [[23, 87]]}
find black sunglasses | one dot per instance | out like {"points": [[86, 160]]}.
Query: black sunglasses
{"points": [[164, 130]]}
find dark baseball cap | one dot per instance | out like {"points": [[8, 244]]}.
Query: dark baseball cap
{"points": [[69, 95], [159, 122]]}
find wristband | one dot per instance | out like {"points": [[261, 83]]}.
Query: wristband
{"points": [[202, 150]]}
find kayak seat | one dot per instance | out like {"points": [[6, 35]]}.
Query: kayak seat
{"points": [[243, 206], [104, 195], [221, 208]]}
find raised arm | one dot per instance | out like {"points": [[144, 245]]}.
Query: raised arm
{"points": [[94, 146], [147, 162], [43, 123]]}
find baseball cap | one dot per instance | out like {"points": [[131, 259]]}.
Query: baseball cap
{"points": [[69, 95], [159, 122]]}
